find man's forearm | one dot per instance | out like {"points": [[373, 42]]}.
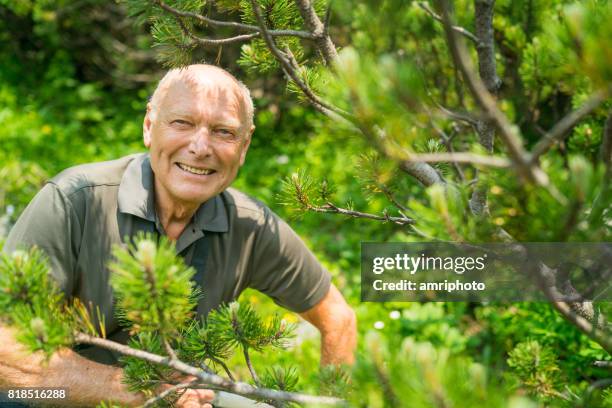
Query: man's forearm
{"points": [[338, 345], [87, 382], [337, 323]]}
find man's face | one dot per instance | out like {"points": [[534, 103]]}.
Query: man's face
{"points": [[197, 140]]}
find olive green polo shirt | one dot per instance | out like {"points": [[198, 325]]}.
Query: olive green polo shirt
{"points": [[80, 214]]}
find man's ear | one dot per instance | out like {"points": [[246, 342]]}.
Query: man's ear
{"points": [[247, 143], [146, 127]]}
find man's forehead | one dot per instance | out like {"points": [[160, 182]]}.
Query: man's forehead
{"points": [[185, 94]]}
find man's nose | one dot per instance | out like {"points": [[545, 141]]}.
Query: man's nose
{"points": [[200, 145]]}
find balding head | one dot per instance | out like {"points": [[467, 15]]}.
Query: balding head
{"points": [[201, 77]]}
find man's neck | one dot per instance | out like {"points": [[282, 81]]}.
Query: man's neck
{"points": [[174, 216]]}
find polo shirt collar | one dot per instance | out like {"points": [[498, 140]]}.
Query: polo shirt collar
{"points": [[136, 196]]}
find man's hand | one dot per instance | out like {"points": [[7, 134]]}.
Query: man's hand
{"points": [[338, 326], [87, 382], [192, 398]]}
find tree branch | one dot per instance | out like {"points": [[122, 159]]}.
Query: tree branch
{"points": [[224, 366], [447, 140], [485, 49], [458, 116], [561, 129], [569, 311], [169, 350], [508, 133], [423, 172], [483, 22], [332, 208], [244, 27], [458, 29], [239, 388], [318, 31], [289, 70], [247, 359], [460, 157]]}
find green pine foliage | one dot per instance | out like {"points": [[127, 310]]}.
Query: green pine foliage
{"points": [[239, 325], [156, 297], [141, 375], [31, 301], [537, 368], [153, 287]]}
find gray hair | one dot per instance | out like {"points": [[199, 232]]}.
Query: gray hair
{"points": [[173, 74]]}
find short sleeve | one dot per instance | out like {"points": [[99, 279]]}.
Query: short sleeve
{"points": [[50, 223], [283, 267]]}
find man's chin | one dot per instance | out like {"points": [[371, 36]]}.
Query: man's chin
{"points": [[187, 196]]}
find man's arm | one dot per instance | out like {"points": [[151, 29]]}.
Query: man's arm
{"points": [[87, 382], [338, 326]]}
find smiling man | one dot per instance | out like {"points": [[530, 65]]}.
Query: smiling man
{"points": [[197, 128]]}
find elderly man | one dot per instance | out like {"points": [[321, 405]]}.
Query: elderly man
{"points": [[197, 128]]}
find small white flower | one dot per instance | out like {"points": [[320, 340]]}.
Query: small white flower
{"points": [[282, 159], [379, 325], [395, 314]]}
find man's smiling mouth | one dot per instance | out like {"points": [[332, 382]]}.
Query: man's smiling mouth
{"points": [[195, 170]]}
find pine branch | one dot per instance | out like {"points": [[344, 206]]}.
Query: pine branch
{"points": [[208, 41], [423, 172], [331, 208], [290, 71], [239, 388], [318, 31], [561, 129], [169, 350], [485, 49], [240, 26], [447, 141], [224, 366], [391, 197], [458, 29], [249, 364], [483, 22], [460, 157], [573, 311], [508, 133], [458, 116]]}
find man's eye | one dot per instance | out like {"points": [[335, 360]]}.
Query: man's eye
{"points": [[180, 122], [225, 132]]}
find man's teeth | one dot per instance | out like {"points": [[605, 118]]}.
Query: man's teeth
{"points": [[195, 170]]}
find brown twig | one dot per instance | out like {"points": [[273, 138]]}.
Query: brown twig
{"points": [[561, 129], [240, 26], [332, 208], [224, 366], [456, 28], [169, 350], [249, 364], [458, 116]]}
